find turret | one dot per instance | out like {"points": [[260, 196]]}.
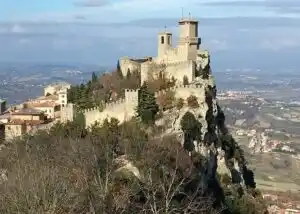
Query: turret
{"points": [[188, 41], [164, 43]]}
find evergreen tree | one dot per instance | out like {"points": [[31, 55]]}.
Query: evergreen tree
{"points": [[119, 71], [94, 77], [128, 74], [185, 80], [191, 128], [147, 106]]}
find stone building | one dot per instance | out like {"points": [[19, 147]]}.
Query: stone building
{"points": [[185, 60], [55, 88], [22, 121]]}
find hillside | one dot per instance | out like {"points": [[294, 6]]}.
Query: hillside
{"points": [[159, 162]]}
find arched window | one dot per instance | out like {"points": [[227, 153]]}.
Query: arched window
{"points": [[162, 40]]}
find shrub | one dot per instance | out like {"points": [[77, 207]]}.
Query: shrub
{"points": [[192, 101], [166, 100], [185, 80], [179, 103]]}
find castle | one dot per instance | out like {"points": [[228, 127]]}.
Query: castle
{"points": [[186, 60]]}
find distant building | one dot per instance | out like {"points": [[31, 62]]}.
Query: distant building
{"points": [[22, 121], [55, 88]]}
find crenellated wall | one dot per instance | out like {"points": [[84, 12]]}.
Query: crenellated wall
{"points": [[177, 69], [123, 109], [115, 109], [184, 91], [128, 64]]}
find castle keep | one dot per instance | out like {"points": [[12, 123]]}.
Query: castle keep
{"points": [[185, 60]]}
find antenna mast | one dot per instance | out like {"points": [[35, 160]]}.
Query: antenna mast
{"points": [[181, 12]]}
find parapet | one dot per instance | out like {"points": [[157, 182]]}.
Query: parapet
{"points": [[174, 88], [105, 105], [131, 90]]}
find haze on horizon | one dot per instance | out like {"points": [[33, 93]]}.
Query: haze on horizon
{"points": [[99, 31]]}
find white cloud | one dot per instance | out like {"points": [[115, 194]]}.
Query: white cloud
{"points": [[17, 29]]}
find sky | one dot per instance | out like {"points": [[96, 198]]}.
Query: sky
{"points": [[242, 32]]}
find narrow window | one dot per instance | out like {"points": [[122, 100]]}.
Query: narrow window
{"points": [[162, 40], [169, 40]]}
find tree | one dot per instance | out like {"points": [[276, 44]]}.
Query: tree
{"points": [[192, 101], [179, 103], [128, 74], [191, 128], [147, 106], [166, 100], [185, 80], [119, 71], [94, 77]]}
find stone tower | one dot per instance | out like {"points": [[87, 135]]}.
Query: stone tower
{"points": [[188, 42], [62, 97], [164, 41]]}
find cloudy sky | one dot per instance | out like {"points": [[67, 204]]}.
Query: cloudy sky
{"points": [[248, 33]]}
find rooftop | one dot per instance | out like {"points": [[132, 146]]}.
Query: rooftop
{"points": [[187, 20], [50, 97], [27, 111], [47, 104], [25, 122], [4, 116], [59, 84]]}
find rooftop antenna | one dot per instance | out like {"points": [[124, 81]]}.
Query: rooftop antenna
{"points": [[190, 15], [165, 28], [181, 12]]}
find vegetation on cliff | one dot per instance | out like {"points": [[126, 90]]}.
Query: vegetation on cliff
{"points": [[125, 168], [72, 170]]}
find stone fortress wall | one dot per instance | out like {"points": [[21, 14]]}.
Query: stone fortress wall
{"points": [[125, 109], [179, 61], [184, 59], [128, 64], [178, 69]]}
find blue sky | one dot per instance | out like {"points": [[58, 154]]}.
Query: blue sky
{"points": [[100, 31]]}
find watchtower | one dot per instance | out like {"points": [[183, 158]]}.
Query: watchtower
{"points": [[188, 42], [164, 41]]}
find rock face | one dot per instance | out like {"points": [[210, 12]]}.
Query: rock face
{"points": [[215, 145]]}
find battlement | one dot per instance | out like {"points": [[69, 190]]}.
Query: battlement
{"points": [[132, 90], [105, 105], [169, 63], [178, 87]]}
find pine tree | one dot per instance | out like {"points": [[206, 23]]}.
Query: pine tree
{"points": [[94, 77], [128, 74], [119, 71], [191, 127], [185, 80], [147, 106]]}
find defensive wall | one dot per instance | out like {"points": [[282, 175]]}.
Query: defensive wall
{"points": [[129, 64], [177, 70], [125, 109]]}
